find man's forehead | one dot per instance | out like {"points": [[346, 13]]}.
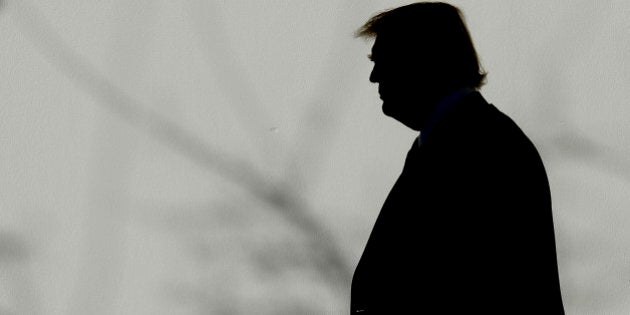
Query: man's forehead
{"points": [[380, 46], [384, 45], [379, 43]]}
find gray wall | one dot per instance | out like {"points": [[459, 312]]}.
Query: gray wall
{"points": [[230, 157]]}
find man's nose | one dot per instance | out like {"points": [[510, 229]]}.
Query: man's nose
{"points": [[373, 76]]}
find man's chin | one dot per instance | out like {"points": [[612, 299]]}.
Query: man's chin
{"points": [[407, 119], [385, 109], [391, 110]]}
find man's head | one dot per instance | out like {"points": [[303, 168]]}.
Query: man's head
{"points": [[421, 52]]}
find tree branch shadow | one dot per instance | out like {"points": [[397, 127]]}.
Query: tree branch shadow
{"points": [[285, 201]]}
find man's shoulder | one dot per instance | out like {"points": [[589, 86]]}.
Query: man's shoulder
{"points": [[480, 127], [504, 129], [476, 124]]}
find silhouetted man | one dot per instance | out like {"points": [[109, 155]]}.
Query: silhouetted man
{"points": [[467, 227]]}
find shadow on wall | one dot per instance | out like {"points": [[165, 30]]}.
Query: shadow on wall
{"points": [[307, 247], [17, 290]]}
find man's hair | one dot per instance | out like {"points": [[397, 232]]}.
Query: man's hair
{"points": [[436, 35]]}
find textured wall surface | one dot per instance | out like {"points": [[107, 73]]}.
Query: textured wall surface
{"points": [[230, 157]]}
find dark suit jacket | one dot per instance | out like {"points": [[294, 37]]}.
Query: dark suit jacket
{"points": [[467, 227]]}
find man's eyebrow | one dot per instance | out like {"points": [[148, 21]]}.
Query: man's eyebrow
{"points": [[370, 57]]}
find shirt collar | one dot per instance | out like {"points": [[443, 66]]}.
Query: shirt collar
{"points": [[440, 109]]}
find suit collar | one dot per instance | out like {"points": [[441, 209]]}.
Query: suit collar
{"points": [[459, 113], [442, 107]]}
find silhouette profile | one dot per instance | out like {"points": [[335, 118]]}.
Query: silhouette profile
{"points": [[467, 228]]}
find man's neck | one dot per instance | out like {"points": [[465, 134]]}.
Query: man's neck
{"points": [[441, 107]]}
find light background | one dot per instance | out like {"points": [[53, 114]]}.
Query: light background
{"points": [[230, 157]]}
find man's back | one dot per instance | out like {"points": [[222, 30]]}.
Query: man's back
{"points": [[466, 227]]}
